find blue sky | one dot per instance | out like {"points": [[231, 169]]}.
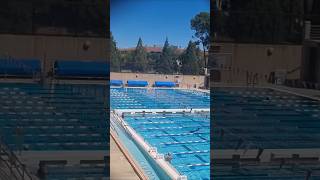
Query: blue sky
{"points": [[154, 20]]}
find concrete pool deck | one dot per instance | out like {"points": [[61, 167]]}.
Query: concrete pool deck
{"points": [[310, 93], [120, 167]]}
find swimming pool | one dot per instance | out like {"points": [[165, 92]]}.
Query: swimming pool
{"points": [[185, 135], [265, 118], [40, 118], [277, 123], [143, 98]]}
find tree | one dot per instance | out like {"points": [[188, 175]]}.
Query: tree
{"points": [[140, 60], [201, 24], [127, 60], [115, 62], [153, 59], [164, 64], [201, 61], [174, 53], [190, 60]]}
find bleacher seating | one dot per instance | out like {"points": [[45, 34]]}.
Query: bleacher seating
{"points": [[137, 83], [19, 67], [81, 69], [164, 84]]}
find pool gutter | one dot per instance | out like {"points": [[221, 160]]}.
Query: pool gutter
{"points": [[294, 93], [272, 87], [149, 150], [133, 111], [180, 88]]}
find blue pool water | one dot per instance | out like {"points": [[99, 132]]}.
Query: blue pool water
{"points": [[185, 135], [265, 118], [258, 118], [142, 98], [36, 117]]}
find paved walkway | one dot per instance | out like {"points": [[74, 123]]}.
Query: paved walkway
{"points": [[120, 169]]}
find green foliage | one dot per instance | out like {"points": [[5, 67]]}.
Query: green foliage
{"points": [[126, 60], [153, 59], [201, 24], [190, 60], [165, 63], [115, 62], [201, 60], [140, 60]]}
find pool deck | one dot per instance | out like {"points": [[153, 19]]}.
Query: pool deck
{"points": [[120, 168], [310, 93]]}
